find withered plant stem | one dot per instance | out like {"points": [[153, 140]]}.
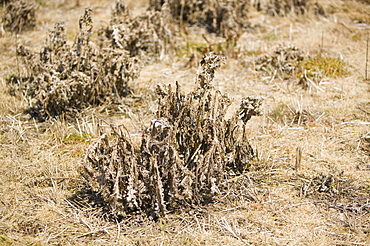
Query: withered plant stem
{"points": [[367, 55], [298, 159], [322, 42]]}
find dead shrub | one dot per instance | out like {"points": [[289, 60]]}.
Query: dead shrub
{"points": [[62, 80], [149, 36], [19, 16], [225, 18], [285, 7], [184, 155], [282, 61]]}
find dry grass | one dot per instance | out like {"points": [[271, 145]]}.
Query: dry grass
{"points": [[309, 184]]}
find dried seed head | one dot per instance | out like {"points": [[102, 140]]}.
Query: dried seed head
{"points": [[209, 64], [86, 23], [250, 106], [160, 129], [57, 37]]}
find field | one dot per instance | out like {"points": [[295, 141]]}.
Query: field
{"points": [[306, 180]]}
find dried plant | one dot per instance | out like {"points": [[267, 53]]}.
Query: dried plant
{"points": [[285, 7], [288, 61], [225, 18], [19, 16], [62, 80], [335, 191], [250, 106], [283, 60], [149, 36], [184, 155]]}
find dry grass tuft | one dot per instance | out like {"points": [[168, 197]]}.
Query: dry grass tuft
{"points": [[321, 66]]}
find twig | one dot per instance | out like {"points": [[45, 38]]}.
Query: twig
{"points": [[57, 235], [298, 204], [350, 243], [231, 209], [227, 226], [311, 83], [62, 178], [363, 110], [273, 76], [322, 42], [95, 231]]}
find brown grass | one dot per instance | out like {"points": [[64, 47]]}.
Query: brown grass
{"points": [[323, 201]]}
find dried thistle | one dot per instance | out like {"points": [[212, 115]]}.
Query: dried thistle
{"points": [[209, 64], [225, 18], [285, 7], [62, 80], [184, 155], [149, 36], [284, 60], [20, 16], [250, 106]]}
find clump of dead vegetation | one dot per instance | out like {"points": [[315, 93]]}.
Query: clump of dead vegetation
{"points": [[290, 62], [285, 7], [19, 16], [283, 60], [61, 80], [184, 155], [336, 192], [149, 36], [225, 18]]}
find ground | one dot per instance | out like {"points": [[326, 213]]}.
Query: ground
{"points": [[308, 185]]}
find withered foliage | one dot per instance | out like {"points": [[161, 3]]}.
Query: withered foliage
{"points": [[62, 80], [283, 60], [225, 18], [336, 192], [149, 36], [184, 155], [285, 7], [19, 15]]}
